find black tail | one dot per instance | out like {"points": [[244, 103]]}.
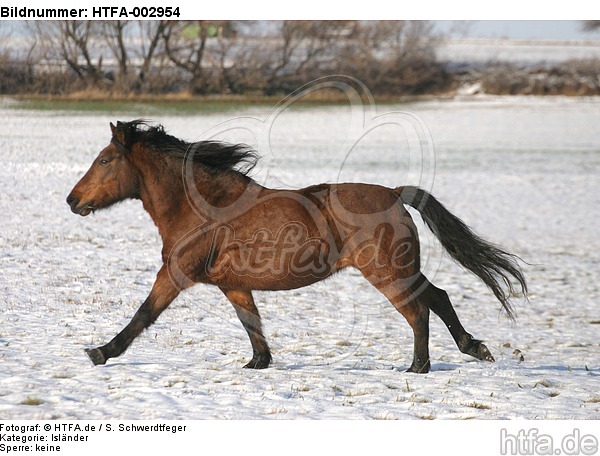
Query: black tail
{"points": [[491, 264]]}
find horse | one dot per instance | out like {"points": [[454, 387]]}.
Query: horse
{"points": [[221, 227]]}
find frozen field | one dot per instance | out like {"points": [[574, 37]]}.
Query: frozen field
{"points": [[523, 172]]}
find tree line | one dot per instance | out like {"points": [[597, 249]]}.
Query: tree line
{"points": [[219, 57]]}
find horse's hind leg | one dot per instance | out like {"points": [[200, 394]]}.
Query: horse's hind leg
{"points": [[246, 310], [417, 315], [400, 293], [439, 302]]}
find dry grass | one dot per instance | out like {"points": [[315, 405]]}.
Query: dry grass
{"points": [[479, 406], [32, 401]]}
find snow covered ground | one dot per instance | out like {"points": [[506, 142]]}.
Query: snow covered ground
{"points": [[523, 172], [517, 51]]}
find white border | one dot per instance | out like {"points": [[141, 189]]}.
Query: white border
{"points": [[346, 10]]}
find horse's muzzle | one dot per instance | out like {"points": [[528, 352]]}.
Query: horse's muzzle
{"points": [[72, 201], [76, 208]]}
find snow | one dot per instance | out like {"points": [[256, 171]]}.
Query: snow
{"points": [[523, 172]]}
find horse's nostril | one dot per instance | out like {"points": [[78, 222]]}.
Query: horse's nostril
{"points": [[72, 200]]}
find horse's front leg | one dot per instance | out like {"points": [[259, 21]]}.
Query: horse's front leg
{"points": [[163, 293]]}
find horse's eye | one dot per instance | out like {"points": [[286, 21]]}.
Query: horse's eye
{"points": [[104, 161]]}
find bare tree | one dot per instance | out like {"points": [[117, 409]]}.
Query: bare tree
{"points": [[113, 33], [75, 44], [393, 56], [301, 48], [221, 60], [235, 56], [185, 45], [15, 70], [151, 52], [126, 45], [75, 41]]}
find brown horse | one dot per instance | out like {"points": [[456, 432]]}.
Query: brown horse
{"points": [[220, 227]]}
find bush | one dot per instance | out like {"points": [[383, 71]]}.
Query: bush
{"points": [[15, 77]]}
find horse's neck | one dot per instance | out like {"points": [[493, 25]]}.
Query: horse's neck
{"points": [[172, 197], [161, 190]]}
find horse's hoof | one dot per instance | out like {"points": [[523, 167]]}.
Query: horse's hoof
{"points": [[419, 370], [95, 355], [481, 352], [476, 349], [259, 362], [485, 354]]}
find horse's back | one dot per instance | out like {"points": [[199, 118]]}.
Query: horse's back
{"points": [[359, 198]]}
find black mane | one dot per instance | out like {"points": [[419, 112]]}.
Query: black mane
{"points": [[215, 155]]}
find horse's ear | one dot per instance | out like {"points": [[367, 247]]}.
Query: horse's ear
{"points": [[121, 133]]}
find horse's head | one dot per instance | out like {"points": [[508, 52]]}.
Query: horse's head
{"points": [[110, 179]]}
